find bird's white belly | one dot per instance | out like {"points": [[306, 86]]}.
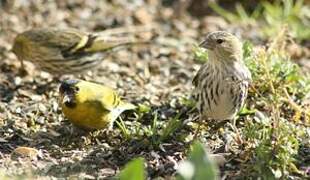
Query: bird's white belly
{"points": [[223, 109]]}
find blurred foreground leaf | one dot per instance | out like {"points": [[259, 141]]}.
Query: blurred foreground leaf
{"points": [[198, 166], [133, 170]]}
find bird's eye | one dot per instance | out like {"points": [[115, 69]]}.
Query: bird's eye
{"points": [[77, 88], [219, 41]]}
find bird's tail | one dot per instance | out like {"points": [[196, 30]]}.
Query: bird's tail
{"points": [[123, 106], [117, 37], [127, 106], [123, 31]]}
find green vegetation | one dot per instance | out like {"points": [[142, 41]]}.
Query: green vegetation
{"points": [[133, 170], [278, 118], [198, 165], [269, 17], [278, 91], [271, 138], [275, 118], [156, 133]]}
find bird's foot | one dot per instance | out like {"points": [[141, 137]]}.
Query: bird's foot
{"points": [[22, 72]]}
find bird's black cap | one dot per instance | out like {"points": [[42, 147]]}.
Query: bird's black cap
{"points": [[68, 88], [67, 85]]}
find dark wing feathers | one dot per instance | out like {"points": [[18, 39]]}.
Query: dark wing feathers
{"points": [[198, 75]]}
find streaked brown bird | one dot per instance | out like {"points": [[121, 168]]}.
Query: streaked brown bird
{"points": [[91, 105], [221, 84], [65, 51]]}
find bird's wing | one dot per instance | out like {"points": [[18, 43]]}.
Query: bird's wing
{"points": [[104, 43], [110, 100], [195, 79], [103, 98], [240, 88], [79, 44], [201, 72], [69, 42], [64, 40], [72, 43], [108, 97]]}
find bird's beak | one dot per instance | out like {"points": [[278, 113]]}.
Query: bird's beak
{"points": [[69, 100], [67, 93], [206, 44], [66, 98]]}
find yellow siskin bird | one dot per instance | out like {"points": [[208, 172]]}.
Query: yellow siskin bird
{"points": [[221, 84], [65, 51], [89, 105]]}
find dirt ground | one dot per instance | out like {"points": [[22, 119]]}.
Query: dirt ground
{"points": [[158, 75]]}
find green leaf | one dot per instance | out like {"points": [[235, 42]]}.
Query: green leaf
{"points": [[200, 54], [231, 17], [142, 108], [247, 49], [246, 111], [172, 125], [198, 166], [133, 170]]}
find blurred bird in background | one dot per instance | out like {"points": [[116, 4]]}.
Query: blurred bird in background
{"points": [[221, 84], [89, 105], [70, 51]]}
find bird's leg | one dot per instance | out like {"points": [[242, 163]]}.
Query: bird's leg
{"points": [[22, 70], [200, 121], [22, 64], [197, 131], [234, 123], [56, 79], [235, 129]]}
